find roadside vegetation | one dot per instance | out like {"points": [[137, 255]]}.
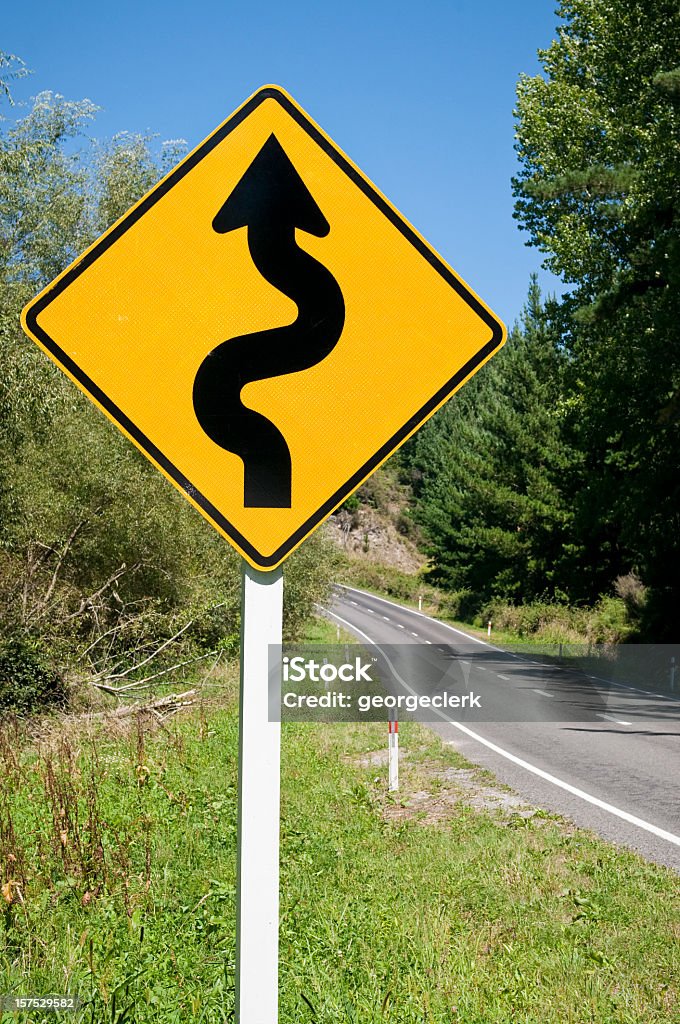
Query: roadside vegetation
{"points": [[450, 901], [611, 620]]}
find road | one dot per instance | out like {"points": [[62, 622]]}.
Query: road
{"points": [[616, 774]]}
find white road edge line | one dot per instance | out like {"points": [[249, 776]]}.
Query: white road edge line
{"points": [[422, 615], [602, 804]]}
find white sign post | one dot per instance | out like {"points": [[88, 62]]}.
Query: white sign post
{"points": [[257, 893]]}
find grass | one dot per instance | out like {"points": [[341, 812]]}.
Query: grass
{"points": [[118, 861]]}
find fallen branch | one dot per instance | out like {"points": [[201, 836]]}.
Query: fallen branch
{"points": [[140, 684], [162, 707]]}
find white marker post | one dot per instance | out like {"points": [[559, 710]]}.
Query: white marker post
{"points": [[259, 770], [393, 754]]}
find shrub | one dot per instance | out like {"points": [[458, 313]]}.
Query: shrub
{"points": [[27, 679], [633, 593], [551, 622], [458, 604]]}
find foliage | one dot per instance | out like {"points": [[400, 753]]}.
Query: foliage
{"points": [[307, 583], [551, 622], [94, 543], [383, 578], [598, 140], [554, 473], [491, 471], [11, 68], [27, 679]]}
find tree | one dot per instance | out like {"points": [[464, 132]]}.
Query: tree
{"points": [[93, 541], [598, 140], [491, 469]]}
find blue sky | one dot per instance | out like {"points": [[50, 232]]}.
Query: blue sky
{"points": [[420, 96]]}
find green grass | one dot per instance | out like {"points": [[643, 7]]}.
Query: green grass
{"points": [[118, 861]]}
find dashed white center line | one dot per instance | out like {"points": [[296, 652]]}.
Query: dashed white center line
{"points": [[399, 625], [481, 668], [413, 634], [535, 770], [354, 603], [543, 693], [429, 642], [610, 718], [386, 618], [370, 611], [503, 677]]}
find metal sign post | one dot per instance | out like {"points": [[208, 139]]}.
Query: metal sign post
{"points": [[257, 893]]}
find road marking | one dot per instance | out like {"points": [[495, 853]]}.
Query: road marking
{"points": [[429, 642], [544, 693], [574, 790], [509, 654], [503, 677], [422, 615], [610, 718], [480, 668], [632, 819], [399, 625], [386, 618], [354, 603], [413, 634]]}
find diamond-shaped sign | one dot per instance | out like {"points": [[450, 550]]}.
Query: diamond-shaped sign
{"points": [[265, 326]]}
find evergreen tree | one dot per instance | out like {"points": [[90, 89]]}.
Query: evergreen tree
{"points": [[491, 469], [599, 193]]}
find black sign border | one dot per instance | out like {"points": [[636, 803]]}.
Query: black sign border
{"points": [[185, 485]]}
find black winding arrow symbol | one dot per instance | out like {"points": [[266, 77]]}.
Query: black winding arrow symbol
{"points": [[271, 200]]}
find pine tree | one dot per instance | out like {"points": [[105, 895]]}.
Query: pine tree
{"points": [[490, 471]]}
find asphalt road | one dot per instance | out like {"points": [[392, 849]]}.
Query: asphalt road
{"points": [[616, 773]]}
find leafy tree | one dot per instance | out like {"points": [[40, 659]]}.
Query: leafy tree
{"points": [[11, 68], [93, 541], [598, 139]]}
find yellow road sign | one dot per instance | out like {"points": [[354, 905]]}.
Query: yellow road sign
{"points": [[265, 327]]}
